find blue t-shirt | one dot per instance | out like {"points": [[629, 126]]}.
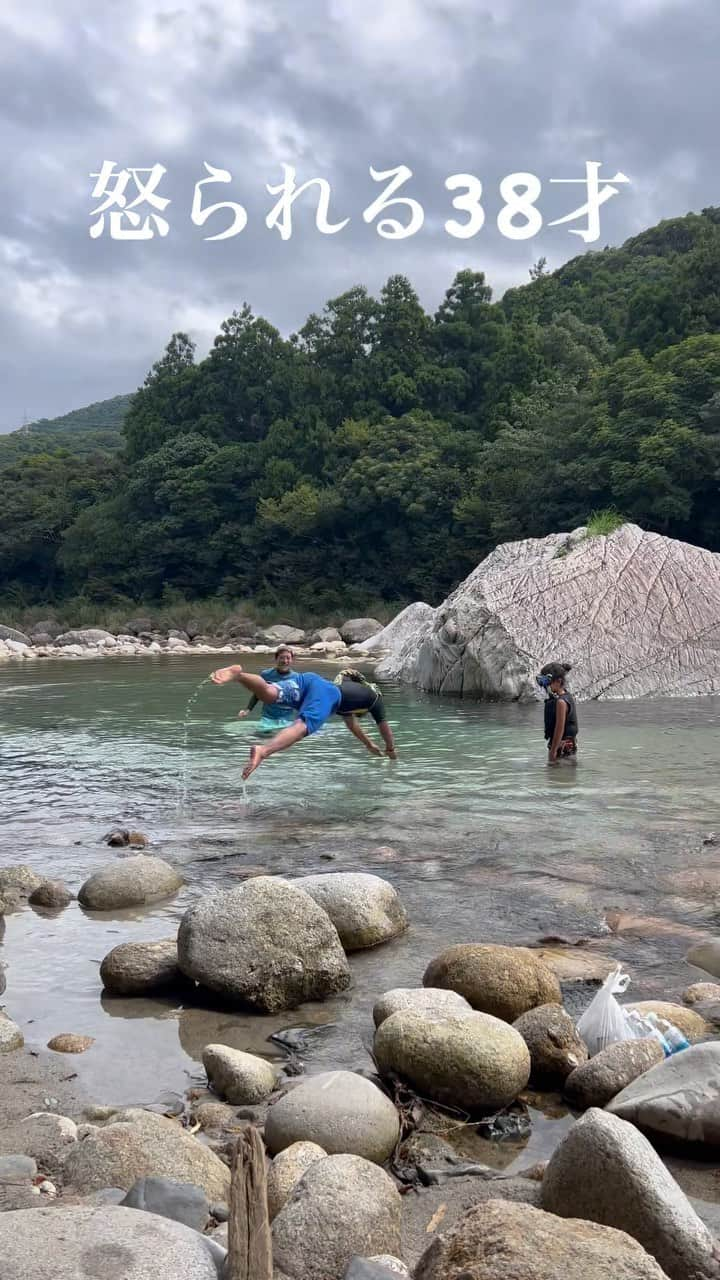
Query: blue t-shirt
{"points": [[311, 695], [277, 710]]}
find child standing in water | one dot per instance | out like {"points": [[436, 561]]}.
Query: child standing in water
{"points": [[275, 714], [561, 721]]}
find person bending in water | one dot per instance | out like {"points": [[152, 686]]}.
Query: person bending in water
{"points": [[315, 700], [276, 715], [561, 721]]}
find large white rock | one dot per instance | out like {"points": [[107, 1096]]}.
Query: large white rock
{"points": [[640, 616], [266, 944], [340, 1111], [108, 1241], [89, 636], [365, 909], [679, 1097], [403, 628], [604, 1170]]}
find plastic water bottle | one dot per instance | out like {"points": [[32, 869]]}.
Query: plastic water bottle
{"points": [[673, 1036]]}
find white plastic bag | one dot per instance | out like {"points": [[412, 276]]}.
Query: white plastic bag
{"points": [[604, 1021]]}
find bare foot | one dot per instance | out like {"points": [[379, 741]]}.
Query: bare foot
{"points": [[257, 755]]}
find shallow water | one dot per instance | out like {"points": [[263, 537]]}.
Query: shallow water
{"points": [[489, 844]]}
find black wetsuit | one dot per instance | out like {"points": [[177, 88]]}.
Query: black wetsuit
{"points": [[356, 697], [568, 745]]}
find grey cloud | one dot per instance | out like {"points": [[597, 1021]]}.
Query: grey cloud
{"points": [[332, 87]]}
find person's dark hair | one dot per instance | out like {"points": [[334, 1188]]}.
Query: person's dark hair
{"points": [[556, 670], [284, 648]]}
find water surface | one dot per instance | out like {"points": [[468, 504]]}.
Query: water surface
{"points": [[487, 843]]}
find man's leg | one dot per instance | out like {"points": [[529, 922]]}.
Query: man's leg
{"points": [[263, 691], [284, 739]]}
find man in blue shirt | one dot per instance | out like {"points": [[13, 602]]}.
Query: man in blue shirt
{"points": [[315, 700], [276, 715]]}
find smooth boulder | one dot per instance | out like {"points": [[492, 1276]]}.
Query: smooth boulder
{"points": [[95, 1241], [11, 633], [502, 981], [137, 968], [424, 1000], [555, 1047], [241, 1078], [469, 1060], [91, 637], [342, 1112], [595, 1083], [702, 992], [265, 944], [11, 1037], [499, 1240], [18, 881], [604, 1170], [44, 1136], [355, 630], [342, 1207], [365, 909], [130, 882], [139, 1144], [286, 1170], [679, 1098]]}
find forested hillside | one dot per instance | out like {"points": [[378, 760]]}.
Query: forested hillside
{"points": [[95, 428], [382, 451]]}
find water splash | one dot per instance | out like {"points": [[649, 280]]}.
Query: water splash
{"points": [[185, 765]]}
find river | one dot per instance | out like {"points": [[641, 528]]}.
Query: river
{"points": [[489, 843]]}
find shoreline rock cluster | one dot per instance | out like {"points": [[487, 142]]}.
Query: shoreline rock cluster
{"points": [[141, 639], [486, 1024]]}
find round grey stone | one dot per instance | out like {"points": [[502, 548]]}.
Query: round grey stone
{"points": [[130, 882], [596, 1082], [340, 1111], [424, 1000], [365, 909], [239, 1077], [181, 1201], [135, 968]]}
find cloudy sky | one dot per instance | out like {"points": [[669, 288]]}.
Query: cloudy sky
{"points": [[332, 87]]}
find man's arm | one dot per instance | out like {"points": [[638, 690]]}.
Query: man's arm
{"points": [[357, 732], [386, 734], [560, 721]]}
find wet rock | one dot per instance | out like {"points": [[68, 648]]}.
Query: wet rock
{"points": [[596, 1082], [69, 1043], [502, 981], [555, 1047], [44, 1136], [424, 1000], [469, 1060], [705, 955], [700, 992], [500, 1241], [11, 1037], [138, 840], [340, 1111], [576, 964], [18, 881], [53, 895], [692, 1024], [342, 1207], [130, 883], [138, 1144], [678, 1097], [138, 968], [180, 1201], [606, 1171], [365, 909], [102, 1240], [266, 944], [286, 1170], [356, 630], [239, 1077]]}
